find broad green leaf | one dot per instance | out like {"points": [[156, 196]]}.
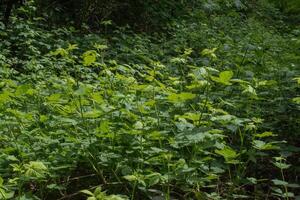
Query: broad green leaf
{"points": [[252, 180], [181, 97], [297, 79], [97, 97], [131, 178], [87, 192], [209, 53], [138, 125], [296, 100], [115, 197], [89, 57], [224, 77], [280, 182], [92, 114], [72, 47], [264, 134], [54, 98], [281, 165], [104, 127], [35, 169], [228, 153], [22, 89], [60, 51], [106, 22], [156, 135], [293, 185], [5, 97], [190, 116], [261, 145], [289, 194], [153, 178], [250, 90]]}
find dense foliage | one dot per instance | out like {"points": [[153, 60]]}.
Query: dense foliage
{"points": [[208, 108]]}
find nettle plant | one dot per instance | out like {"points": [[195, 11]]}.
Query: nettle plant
{"points": [[153, 130]]}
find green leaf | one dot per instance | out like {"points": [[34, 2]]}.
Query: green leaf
{"points": [[54, 98], [281, 165], [289, 194], [296, 100], [60, 51], [131, 178], [138, 125], [22, 89], [229, 154], [89, 57], [250, 90], [297, 79], [264, 134], [252, 180], [35, 169], [293, 185], [92, 114], [97, 97], [72, 47], [190, 116], [104, 127], [261, 145], [153, 178], [87, 192], [100, 47], [224, 77], [180, 98], [209, 53], [280, 182], [114, 197]]}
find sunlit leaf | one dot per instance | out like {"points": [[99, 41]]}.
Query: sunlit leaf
{"points": [[89, 57]]}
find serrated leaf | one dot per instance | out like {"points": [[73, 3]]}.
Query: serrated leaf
{"points": [[60, 51], [279, 182], [87, 192], [138, 125], [264, 134], [181, 97], [224, 77], [252, 180], [296, 100], [89, 57], [261, 145], [281, 165], [92, 114], [228, 153], [131, 178], [209, 53], [35, 169], [250, 90]]}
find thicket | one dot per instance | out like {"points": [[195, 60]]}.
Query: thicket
{"points": [[142, 15], [112, 100]]}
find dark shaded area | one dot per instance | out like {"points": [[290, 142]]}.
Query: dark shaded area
{"points": [[139, 14], [8, 7]]}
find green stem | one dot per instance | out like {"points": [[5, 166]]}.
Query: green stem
{"points": [[133, 191], [285, 188]]}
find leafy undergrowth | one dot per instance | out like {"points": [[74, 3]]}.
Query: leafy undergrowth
{"points": [[210, 111]]}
